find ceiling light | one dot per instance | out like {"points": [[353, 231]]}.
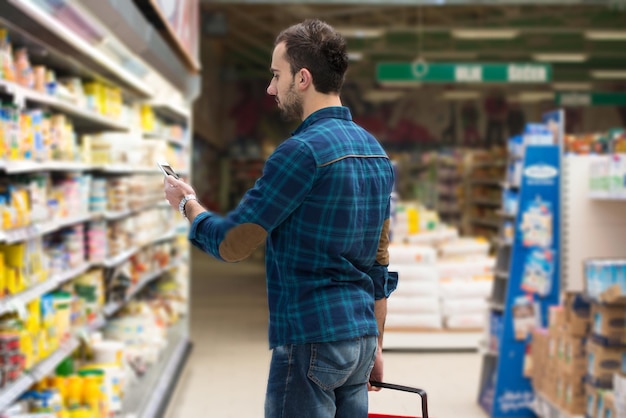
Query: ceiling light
{"points": [[605, 35], [534, 96], [571, 86], [361, 32], [355, 56], [485, 33], [460, 95], [609, 74], [558, 57], [400, 84]]}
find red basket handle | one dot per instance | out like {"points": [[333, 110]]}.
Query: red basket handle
{"points": [[420, 392]]}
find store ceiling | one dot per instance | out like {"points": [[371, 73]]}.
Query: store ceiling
{"points": [[589, 38]]}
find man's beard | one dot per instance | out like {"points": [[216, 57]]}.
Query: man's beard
{"points": [[291, 107]]}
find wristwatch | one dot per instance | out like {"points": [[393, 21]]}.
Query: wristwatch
{"points": [[183, 202]]}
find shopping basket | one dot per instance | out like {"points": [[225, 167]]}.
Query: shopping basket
{"points": [[420, 392]]}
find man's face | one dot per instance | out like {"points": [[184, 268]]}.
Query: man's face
{"points": [[283, 86]]}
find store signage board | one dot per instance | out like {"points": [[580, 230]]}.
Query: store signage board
{"points": [[582, 99], [469, 72]]}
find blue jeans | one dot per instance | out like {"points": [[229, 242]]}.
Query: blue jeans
{"points": [[320, 380]]}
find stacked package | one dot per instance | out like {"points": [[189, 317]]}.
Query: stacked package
{"points": [[579, 363], [466, 278], [444, 279], [415, 303]]}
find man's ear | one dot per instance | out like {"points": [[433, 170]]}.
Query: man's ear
{"points": [[304, 78]]}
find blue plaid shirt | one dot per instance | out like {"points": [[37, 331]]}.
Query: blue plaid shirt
{"points": [[320, 205]]}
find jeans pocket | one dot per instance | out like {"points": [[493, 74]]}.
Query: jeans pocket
{"points": [[332, 364]]}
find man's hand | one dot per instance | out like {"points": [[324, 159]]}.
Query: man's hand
{"points": [[377, 371], [175, 190]]}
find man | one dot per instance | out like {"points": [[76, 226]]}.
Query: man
{"points": [[322, 206]]}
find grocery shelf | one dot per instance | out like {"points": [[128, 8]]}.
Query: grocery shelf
{"points": [[485, 222], [120, 258], [112, 307], [179, 142], [19, 300], [148, 397], [25, 233], [129, 252], [486, 202], [33, 21], [81, 118], [126, 169], [506, 215], [11, 393], [485, 182]]}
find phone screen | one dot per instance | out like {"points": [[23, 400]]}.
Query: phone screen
{"points": [[167, 169]]}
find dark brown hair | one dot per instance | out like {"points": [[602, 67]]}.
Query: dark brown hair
{"points": [[316, 46]]}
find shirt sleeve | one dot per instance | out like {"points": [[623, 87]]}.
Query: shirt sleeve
{"points": [[287, 178], [385, 282]]}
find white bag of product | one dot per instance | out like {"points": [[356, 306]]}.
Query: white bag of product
{"points": [[464, 247], [413, 321], [415, 304], [466, 268], [466, 287], [433, 238], [411, 254], [415, 272], [466, 321], [452, 307], [417, 288]]}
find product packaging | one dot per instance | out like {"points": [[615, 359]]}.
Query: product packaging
{"points": [[609, 324]]}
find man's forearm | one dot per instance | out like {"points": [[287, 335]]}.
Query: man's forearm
{"points": [[380, 310], [193, 208]]}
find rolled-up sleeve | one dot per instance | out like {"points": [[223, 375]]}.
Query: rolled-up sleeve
{"points": [[385, 282]]}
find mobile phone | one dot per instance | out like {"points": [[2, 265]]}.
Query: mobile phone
{"points": [[167, 169]]}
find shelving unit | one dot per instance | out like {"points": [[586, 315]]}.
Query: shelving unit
{"points": [[483, 188], [504, 390], [31, 25]]}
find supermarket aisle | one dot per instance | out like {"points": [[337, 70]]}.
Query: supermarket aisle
{"points": [[227, 370]]}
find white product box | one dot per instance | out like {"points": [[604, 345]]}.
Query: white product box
{"points": [[415, 272], [411, 254], [478, 286], [461, 306], [417, 288], [413, 304], [413, 320], [466, 321]]}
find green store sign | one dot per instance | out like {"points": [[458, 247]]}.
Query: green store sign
{"points": [[439, 72], [579, 99]]}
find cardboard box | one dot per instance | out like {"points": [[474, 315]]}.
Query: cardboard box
{"points": [[570, 393], [591, 395], [608, 323], [556, 318], [573, 355], [603, 363], [577, 314], [609, 405]]}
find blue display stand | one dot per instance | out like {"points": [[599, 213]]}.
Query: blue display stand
{"points": [[531, 282]]}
